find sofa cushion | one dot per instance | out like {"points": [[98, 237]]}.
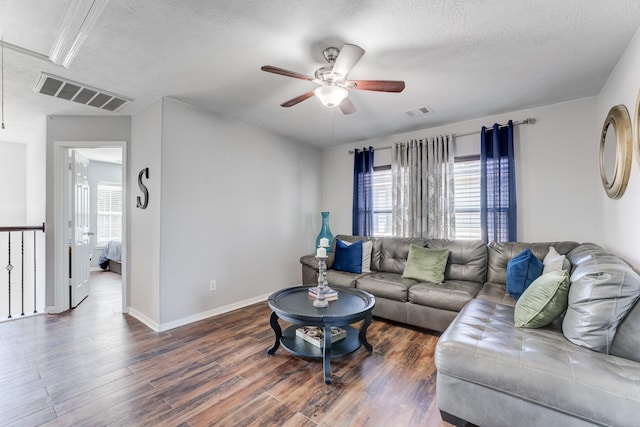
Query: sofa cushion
{"points": [[522, 270], [451, 295], [540, 366], [553, 261], [425, 264], [348, 256], [496, 292], [543, 301], [626, 343], [386, 285], [467, 259], [603, 290], [500, 253], [342, 278], [394, 252]]}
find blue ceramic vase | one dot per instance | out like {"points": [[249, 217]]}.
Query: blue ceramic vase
{"points": [[325, 231]]}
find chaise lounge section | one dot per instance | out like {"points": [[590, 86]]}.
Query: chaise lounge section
{"points": [[583, 369]]}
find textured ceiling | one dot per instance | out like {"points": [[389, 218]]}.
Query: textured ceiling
{"points": [[462, 59]]}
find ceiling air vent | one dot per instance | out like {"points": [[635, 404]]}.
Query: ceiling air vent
{"points": [[418, 112], [62, 88]]}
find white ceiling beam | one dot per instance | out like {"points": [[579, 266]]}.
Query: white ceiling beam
{"points": [[78, 22]]}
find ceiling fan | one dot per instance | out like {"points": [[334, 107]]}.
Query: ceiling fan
{"points": [[333, 79]]}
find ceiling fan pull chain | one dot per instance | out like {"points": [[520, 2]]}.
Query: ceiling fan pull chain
{"points": [[331, 124]]}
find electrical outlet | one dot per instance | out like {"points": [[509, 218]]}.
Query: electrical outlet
{"points": [[212, 285]]}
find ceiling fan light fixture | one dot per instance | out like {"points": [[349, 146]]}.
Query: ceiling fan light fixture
{"points": [[331, 95]]}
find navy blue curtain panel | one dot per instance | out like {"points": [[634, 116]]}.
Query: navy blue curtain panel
{"points": [[498, 184], [362, 220]]}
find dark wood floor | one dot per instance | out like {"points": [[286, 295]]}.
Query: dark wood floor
{"points": [[94, 366]]}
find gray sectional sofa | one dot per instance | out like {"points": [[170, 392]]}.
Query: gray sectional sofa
{"points": [[584, 369], [410, 301]]}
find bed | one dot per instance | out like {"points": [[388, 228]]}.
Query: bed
{"points": [[111, 257]]}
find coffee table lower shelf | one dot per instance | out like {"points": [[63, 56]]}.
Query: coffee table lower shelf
{"points": [[300, 347]]}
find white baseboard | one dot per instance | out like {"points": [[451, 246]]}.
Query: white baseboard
{"points": [[196, 317], [143, 318]]}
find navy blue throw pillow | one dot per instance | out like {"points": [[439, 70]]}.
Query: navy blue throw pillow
{"points": [[348, 257], [522, 270]]}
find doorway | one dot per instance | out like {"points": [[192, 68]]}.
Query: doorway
{"points": [[80, 240]]}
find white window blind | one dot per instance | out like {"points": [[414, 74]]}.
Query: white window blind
{"points": [[382, 224], [467, 188], [109, 211]]}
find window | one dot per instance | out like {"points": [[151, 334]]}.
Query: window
{"points": [[467, 188], [467, 200], [109, 212], [382, 224]]}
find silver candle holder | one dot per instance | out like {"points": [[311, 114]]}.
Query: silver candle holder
{"points": [[320, 301]]}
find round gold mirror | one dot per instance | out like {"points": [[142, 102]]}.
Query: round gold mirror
{"points": [[615, 151], [636, 126]]}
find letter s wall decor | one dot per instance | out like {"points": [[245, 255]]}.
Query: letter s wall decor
{"points": [[143, 188]]}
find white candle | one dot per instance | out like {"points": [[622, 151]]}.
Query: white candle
{"points": [[324, 242], [321, 253]]}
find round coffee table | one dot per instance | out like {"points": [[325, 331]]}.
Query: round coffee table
{"points": [[294, 305]]}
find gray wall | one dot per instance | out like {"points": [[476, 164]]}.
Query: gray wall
{"points": [[227, 201]]}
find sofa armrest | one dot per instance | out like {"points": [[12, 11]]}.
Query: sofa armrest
{"points": [[310, 268]]}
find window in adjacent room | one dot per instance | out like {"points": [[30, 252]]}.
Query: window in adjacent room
{"points": [[382, 201], [109, 212], [467, 188]]}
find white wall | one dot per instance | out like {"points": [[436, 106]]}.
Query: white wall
{"points": [[13, 184], [22, 186], [227, 201], [144, 224], [73, 129], [556, 165], [621, 226], [37, 177]]}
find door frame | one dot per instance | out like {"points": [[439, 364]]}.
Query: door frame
{"points": [[60, 265]]}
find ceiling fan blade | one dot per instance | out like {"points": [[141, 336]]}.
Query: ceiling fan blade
{"points": [[283, 72], [349, 56], [377, 85], [347, 107], [297, 99]]}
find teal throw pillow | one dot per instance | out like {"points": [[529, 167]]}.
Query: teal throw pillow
{"points": [[522, 270], [348, 257], [425, 264], [543, 301]]}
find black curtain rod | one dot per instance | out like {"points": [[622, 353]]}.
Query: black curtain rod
{"points": [[527, 121]]}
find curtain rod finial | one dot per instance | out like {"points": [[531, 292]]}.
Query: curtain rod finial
{"points": [[529, 121]]}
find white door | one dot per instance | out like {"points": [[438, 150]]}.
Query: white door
{"points": [[79, 226]]}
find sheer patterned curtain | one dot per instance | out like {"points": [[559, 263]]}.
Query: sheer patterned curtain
{"points": [[498, 184], [423, 188], [362, 219]]}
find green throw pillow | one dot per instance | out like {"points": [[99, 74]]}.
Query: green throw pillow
{"points": [[543, 301], [426, 264]]}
